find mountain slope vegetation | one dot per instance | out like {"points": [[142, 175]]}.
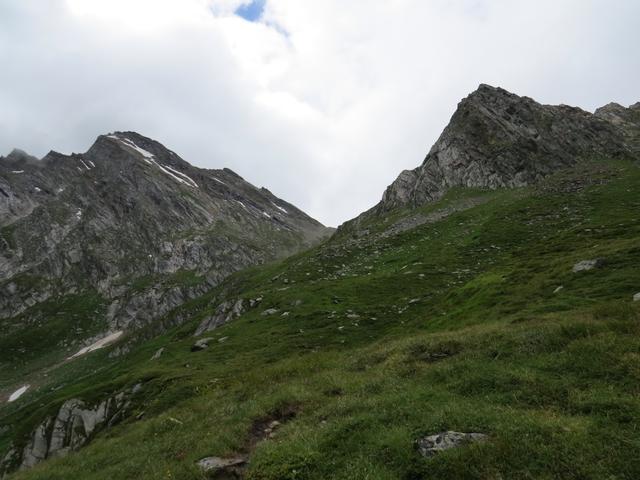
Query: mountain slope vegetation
{"points": [[153, 328], [465, 314]]}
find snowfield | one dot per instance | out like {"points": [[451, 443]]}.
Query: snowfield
{"points": [[103, 342], [18, 393]]}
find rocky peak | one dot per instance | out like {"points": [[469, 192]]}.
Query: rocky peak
{"points": [[131, 208], [627, 120], [498, 139]]}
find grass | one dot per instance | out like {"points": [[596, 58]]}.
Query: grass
{"points": [[453, 325]]}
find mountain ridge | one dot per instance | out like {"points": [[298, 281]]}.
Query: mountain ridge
{"points": [[491, 292], [499, 139]]}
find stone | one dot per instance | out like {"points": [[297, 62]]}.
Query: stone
{"points": [[269, 311], [434, 444], [158, 353], [201, 344], [585, 265], [636, 297], [217, 464]]}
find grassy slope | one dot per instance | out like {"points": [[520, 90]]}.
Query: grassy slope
{"points": [[488, 346]]}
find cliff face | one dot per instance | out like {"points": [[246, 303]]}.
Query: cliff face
{"points": [[498, 139]]}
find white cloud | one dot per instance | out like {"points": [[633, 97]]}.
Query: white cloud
{"points": [[321, 102]]}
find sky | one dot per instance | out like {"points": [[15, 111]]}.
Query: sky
{"points": [[321, 102]]}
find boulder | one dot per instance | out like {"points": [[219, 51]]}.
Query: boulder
{"points": [[434, 444], [636, 297], [585, 265], [219, 465], [269, 311], [201, 344]]}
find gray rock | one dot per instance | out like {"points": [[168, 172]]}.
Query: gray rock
{"points": [[636, 297], [269, 311], [158, 353], [225, 312], [71, 428], [585, 265], [217, 464], [38, 447], [201, 344], [434, 444]]}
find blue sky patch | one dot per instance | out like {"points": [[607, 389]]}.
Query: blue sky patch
{"points": [[251, 11]]}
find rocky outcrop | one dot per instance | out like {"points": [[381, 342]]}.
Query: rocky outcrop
{"points": [[75, 423], [225, 312], [625, 119], [498, 139], [201, 344], [434, 444], [586, 265]]}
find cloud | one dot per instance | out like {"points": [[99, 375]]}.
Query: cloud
{"points": [[322, 102]]}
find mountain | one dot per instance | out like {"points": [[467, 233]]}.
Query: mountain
{"points": [[479, 331], [112, 239], [498, 139]]}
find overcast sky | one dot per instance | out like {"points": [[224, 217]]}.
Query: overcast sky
{"points": [[323, 102]]}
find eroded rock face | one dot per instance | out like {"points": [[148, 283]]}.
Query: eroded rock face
{"points": [[626, 119], [224, 313], [72, 427], [434, 444], [498, 139]]}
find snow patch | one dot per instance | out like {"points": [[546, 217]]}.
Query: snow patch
{"points": [[186, 178], [149, 158], [103, 342], [279, 208], [37, 189], [17, 171], [146, 156], [266, 214], [92, 164], [243, 205], [18, 393], [79, 214], [85, 165], [219, 181]]}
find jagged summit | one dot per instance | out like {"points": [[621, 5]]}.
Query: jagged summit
{"points": [[499, 139]]}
